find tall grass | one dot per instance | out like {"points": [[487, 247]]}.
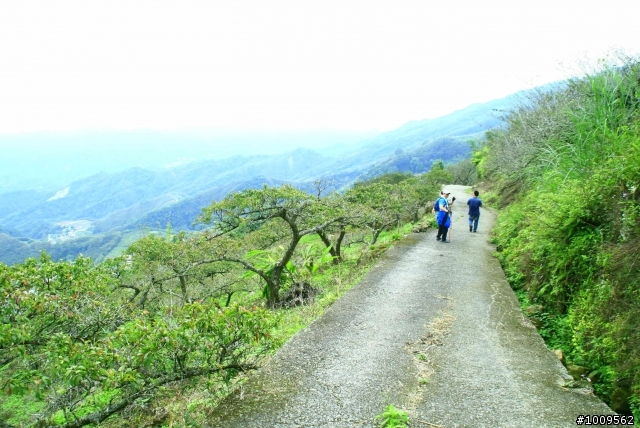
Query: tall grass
{"points": [[568, 239]]}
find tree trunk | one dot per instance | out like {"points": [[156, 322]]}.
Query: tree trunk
{"points": [[334, 249], [327, 242], [183, 287], [229, 298], [338, 255], [273, 287], [374, 238]]}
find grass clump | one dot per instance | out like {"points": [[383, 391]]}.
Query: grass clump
{"points": [[392, 418]]}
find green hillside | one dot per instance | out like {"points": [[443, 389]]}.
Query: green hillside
{"points": [[420, 159], [567, 170]]}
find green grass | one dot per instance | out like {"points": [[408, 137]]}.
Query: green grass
{"points": [[334, 281], [98, 401], [17, 408]]}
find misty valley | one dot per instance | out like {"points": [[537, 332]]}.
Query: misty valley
{"points": [[101, 214]]}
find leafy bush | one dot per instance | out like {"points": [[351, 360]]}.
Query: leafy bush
{"points": [[67, 341]]}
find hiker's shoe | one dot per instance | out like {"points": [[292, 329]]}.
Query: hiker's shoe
{"points": [[470, 228], [444, 242], [437, 238]]}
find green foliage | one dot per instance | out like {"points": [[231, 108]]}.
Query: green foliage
{"points": [[261, 219], [479, 158], [81, 342], [568, 240], [67, 340], [392, 418], [438, 165], [14, 409], [556, 330], [437, 176], [388, 178], [463, 173], [380, 205]]}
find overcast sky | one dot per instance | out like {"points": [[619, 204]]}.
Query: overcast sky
{"points": [[357, 65]]}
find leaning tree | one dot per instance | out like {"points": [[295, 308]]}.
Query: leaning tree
{"points": [[260, 219]]}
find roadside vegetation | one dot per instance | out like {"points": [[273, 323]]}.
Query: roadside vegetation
{"points": [[566, 170], [392, 418], [159, 335]]}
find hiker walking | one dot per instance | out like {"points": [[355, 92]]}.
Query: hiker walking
{"points": [[474, 211], [444, 215]]}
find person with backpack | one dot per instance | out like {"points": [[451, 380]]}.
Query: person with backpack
{"points": [[474, 211], [443, 215]]}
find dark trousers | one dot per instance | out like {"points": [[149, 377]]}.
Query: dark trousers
{"points": [[442, 229], [442, 232]]}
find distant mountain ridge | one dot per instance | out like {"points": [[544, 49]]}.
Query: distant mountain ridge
{"points": [[125, 201], [65, 157]]}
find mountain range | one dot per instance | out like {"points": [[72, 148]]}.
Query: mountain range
{"points": [[99, 214]]}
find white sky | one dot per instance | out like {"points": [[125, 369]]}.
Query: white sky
{"points": [[357, 65]]}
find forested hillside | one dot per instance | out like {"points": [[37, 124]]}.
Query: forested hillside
{"points": [[417, 160], [566, 169]]}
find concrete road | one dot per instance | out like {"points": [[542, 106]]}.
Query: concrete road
{"points": [[434, 329]]}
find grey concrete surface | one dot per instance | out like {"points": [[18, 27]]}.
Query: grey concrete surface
{"points": [[433, 328]]}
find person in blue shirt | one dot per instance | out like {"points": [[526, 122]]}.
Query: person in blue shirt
{"points": [[474, 211], [444, 216]]}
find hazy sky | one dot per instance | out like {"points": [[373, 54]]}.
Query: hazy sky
{"points": [[358, 65]]}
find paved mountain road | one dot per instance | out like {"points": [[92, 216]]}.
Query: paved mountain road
{"points": [[432, 328]]}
